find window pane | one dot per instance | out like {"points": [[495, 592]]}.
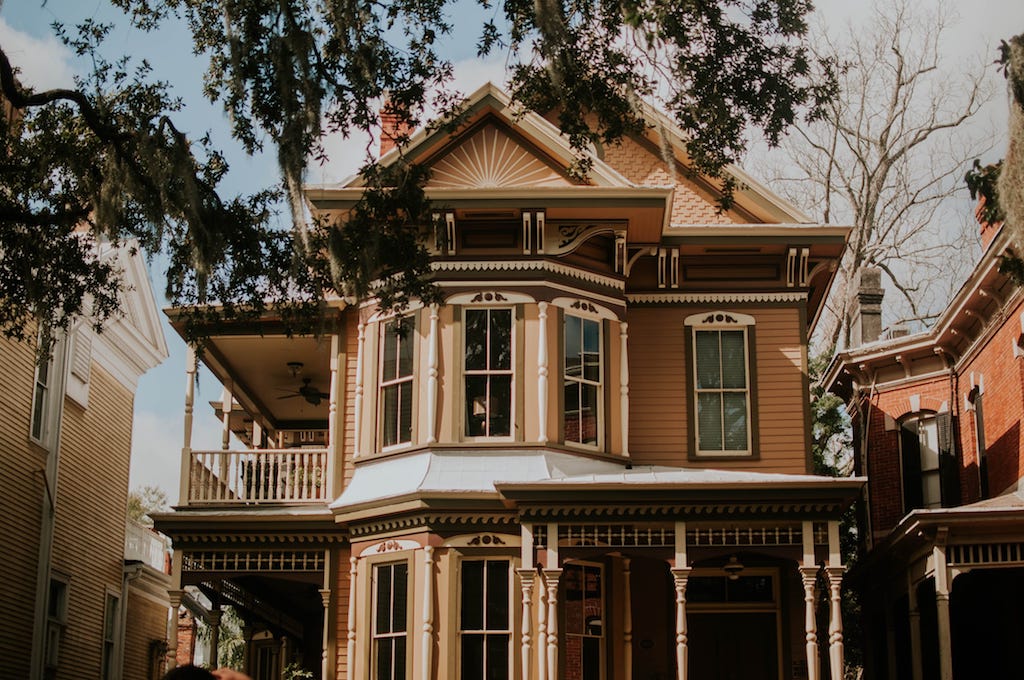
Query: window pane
{"points": [[709, 421], [400, 658], [476, 405], [385, 652], [497, 657], [405, 412], [734, 365], [573, 349], [591, 658], [501, 339], [591, 336], [476, 339], [588, 414], [500, 406], [400, 596], [389, 411], [708, 360], [573, 417], [473, 657], [383, 624], [405, 345], [388, 371], [472, 595], [735, 420], [497, 595]]}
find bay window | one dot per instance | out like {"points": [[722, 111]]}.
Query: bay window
{"points": [[582, 381], [390, 609], [488, 372], [396, 373], [485, 629]]}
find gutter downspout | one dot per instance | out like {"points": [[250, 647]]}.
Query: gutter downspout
{"points": [[49, 516], [131, 573]]}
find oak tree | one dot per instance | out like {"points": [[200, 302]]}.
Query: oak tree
{"points": [[105, 160]]}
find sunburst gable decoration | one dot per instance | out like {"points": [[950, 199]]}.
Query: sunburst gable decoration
{"points": [[491, 158]]}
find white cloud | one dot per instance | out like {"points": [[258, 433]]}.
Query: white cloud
{"points": [[44, 62], [156, 446]]}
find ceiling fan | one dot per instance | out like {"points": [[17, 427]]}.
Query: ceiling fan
{"points": [[311, 394]]}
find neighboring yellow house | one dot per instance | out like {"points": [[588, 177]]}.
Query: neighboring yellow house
{"points": [[66, 441], [592, 461]]}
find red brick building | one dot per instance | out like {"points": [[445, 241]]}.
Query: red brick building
{"points": [[936, 419]]}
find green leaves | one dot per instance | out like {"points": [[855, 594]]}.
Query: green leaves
{"points": [[287, 73]]}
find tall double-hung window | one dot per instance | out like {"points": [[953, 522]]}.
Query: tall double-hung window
{"points": [[390, 620], [582, 380], [396, 368], [485, 622], [488, 372], [721, 383]]}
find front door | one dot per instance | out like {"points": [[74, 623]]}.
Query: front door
{"points": [[733, 646], [733, 626]]}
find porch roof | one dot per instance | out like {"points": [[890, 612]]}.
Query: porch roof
{"points": [[543, 476]]}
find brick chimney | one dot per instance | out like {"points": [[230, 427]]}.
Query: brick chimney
{"points": [[393, 127], [988, 229], [866, 307]]}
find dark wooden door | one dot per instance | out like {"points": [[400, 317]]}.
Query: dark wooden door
{"points": [[733, 646]]}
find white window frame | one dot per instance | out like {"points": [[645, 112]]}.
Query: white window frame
{"points": [[580, 380], [399, 380], [716, 322], [508, 632], [42, 393], [109, 636], [927, 430], [374, 636], [56, 619], [511, 371]]}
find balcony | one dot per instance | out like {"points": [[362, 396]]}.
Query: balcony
{"points": [[142, 544], [258, 477]]}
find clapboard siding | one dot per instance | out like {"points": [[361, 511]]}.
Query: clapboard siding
{"points": [[22, 494], [90, 524], [659, 409]]}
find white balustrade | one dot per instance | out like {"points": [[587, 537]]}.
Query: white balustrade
{"points": [[297, 475]]}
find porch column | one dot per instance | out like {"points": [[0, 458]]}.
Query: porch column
{"points": [[334, 448], [191, 365], [624, 388], [835, 570], [350, 658], [551, 578], [215, 616], [809, 578], [942, 608], [357, 435], [432, 376], [428, 611], [542, 634], [627, 623], [325, 599], [526, 577], [680, 577], [914, 614], [542, 373], [174, 603]]}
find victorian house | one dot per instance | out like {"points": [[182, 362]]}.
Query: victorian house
{"points": [[937, 428], [591, 461], [69, 585]]}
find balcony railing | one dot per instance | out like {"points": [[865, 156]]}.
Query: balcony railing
{"points": [[142, 544], [262, 476]]}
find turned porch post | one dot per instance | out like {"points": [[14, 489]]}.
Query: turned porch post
{"points": [[942, 607], [542, 373], [809, 579], [834, 571], [680, 576]]}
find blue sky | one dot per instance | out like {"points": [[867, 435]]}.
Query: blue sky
{"points": [[26, 35]]}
